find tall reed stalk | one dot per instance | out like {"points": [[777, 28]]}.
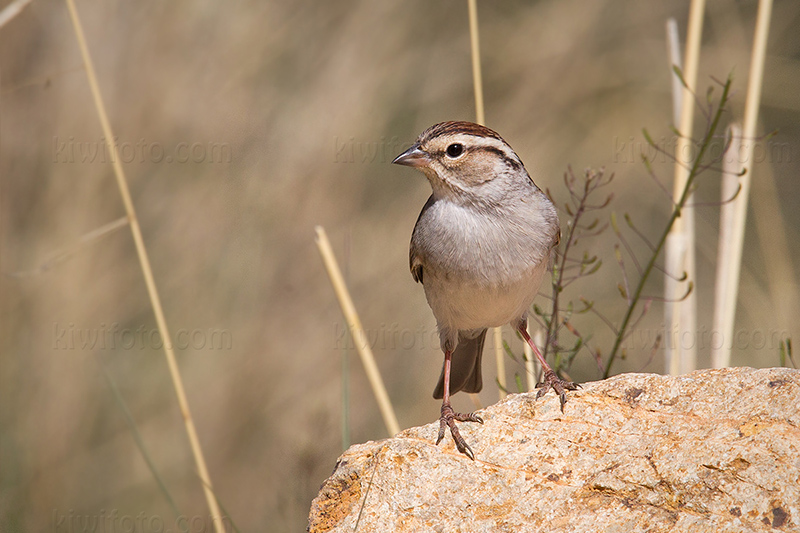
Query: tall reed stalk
{"points": [[147, 272], [733, 261], [681, 311]]}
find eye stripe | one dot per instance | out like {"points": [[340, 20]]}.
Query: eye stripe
{"points": [[511, 159], [478, 138]]}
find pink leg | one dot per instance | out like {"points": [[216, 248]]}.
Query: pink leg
{"points": [[549, 380], [448, 417]]}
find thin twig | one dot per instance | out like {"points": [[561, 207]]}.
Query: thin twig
{"points": [[721, 202], [621, 262], [627, 246], [578, 205], [641, 235], [654, 177], [369, 486], [605, 319], [85, 240], [645, 309], [683, 277], [653, 352]]}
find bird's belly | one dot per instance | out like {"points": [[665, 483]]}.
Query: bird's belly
{"points": [[473, 304]]}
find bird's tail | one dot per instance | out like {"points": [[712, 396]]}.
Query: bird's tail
{"points": [[465, 368]]}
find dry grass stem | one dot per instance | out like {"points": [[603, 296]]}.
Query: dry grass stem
{"points": [[63, 254], [12, 10], [680, 313], [357, 331], [475, 49], [500, 355], [745, 156], [721, 353], [146, 270], [674, 55]]}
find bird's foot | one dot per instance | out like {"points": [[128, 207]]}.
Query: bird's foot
{"points": [[559, 386], [448, 418]]}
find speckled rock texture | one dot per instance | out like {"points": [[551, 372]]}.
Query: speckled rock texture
{"points": [[714, 450]]}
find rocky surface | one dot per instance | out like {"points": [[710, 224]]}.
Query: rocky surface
{"points": [[714, 450]]}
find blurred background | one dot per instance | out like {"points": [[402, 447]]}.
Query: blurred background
{"points": [[242, 125]]}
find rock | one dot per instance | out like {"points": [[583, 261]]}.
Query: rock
{"points": [[714, 450]]}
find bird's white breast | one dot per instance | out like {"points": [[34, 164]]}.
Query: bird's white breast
{"points": [[480, 273]]}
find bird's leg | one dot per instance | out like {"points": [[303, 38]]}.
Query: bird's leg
{"points": [[549, 380], [448, 417]]}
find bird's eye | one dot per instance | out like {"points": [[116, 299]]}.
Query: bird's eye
{"points": [[455, 150]]}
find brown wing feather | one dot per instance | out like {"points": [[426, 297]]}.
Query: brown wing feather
{"points": [[414, 261], [416, 267]]}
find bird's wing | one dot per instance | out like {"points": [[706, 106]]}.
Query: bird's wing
{"points": [[416, 266], [414, 261]]}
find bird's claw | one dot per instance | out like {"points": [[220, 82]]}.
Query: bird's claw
{"points": [[448, 418], [560, 386]]}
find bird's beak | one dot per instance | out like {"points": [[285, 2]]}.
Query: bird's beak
{"points": [[413, 157]]}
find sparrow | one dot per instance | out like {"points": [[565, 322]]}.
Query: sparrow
{"points": [[480, 248]]}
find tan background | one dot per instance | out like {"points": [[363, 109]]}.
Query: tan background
{"points": [[310, 101]]}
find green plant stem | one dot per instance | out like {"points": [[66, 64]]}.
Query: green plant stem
{"points": [[696, 169], [137, 436]]}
